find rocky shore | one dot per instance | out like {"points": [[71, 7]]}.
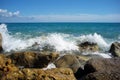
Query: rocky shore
{"points": [[35, 65]]}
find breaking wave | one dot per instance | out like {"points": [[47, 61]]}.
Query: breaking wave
{"points": [[56, 41]]}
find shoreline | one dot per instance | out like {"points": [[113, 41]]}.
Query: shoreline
{"points": [[58, 57], [52, 65]]}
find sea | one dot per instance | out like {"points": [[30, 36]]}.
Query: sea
{"points": [[61, 36]]}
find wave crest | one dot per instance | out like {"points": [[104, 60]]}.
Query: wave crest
{"points": [[58, 41]]}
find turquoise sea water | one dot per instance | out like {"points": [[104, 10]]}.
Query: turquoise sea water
{"points": [[61, 36], [107, 30]]}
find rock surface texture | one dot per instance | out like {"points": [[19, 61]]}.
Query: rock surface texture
{"points": [[115, 49], [39, 74], [32, 59], [8, 71], [88, 46], [103, 69], [68, 61]]}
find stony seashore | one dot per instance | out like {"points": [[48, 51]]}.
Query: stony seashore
{"points": [[34, 65]]}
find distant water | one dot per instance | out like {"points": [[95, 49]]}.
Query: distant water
{"points": [[107, 30], [61, 36]]}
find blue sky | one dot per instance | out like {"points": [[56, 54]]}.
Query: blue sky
{"points": [[59, 10]]}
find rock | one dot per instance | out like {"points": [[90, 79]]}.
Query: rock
{"points": [[103, 76], [8, 71], [32, 59], [88, 46], [48, 47], [102, 69], [75, 62], [102, 64], [115, 49], [1, 48], [39, 74], [6, 65], [68, 61], [83, 59]]}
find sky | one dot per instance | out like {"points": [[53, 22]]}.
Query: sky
{"points": [[59, 10]]}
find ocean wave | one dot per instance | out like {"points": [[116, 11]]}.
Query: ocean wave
{"points": [[94, 38], [57, 41]]}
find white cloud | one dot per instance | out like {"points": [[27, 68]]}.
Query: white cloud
{"points": [[6, 13], [7, 16], [3, 10]]}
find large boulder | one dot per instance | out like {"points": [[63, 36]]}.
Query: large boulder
{"points": [[39, 74], [1, 48], [72, 61], [88, 46], [103, 76], [32, 59], [102, 64], [68, 61], [115, 49], [102, 69], [75, 62]]}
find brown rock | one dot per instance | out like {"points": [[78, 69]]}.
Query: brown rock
{"points": [[68, 61], [115, 49], [6, 66], [88, 46], [1, 49], [75, 62], [38, 74], [32, 59], [9, 71], [83, 59], [5, 63], [103, 76]]}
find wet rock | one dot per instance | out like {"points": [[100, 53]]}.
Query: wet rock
{"points": [[68, 61], [103, 76], [102, 64], [83, 59], [88, 46], [32, 59], [75, 62], [102, 69], [115, 49], [38, 74], [1, 48], [48, 47]]}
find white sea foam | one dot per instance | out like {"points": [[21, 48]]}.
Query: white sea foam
{"points": [[104, 55], [59, 41], [9, 42], [95, 38], [50, 66]]}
